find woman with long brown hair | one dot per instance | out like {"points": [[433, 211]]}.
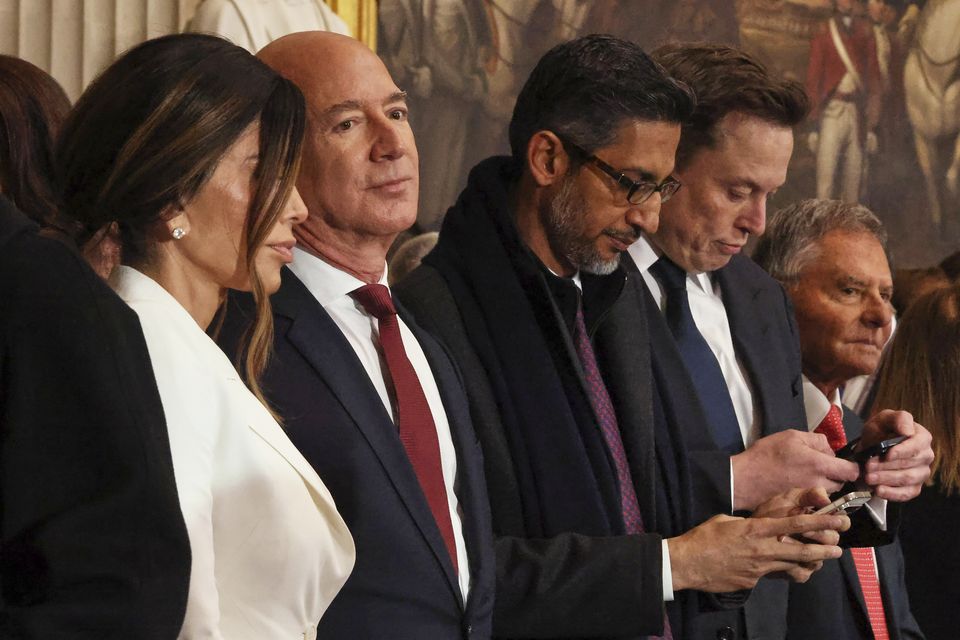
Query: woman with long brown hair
{"points": [[32, 109], [921, 374], [190, 147]]}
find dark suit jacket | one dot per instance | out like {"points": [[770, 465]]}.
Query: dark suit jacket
{"points": [[765, 338], [403, 584], [92, 541], [928, 538], [831, 604], [569, 585]]}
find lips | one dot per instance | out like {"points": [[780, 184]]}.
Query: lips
{"points": [[729, 248], [621, 241], [394, 184], [285, 249]]}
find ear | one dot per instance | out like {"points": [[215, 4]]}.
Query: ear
{"points": [[547, 159]]}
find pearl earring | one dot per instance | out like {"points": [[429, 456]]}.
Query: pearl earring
{"points": [[178, 233]]}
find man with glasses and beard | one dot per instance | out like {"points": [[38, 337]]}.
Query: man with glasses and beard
{"points": [[526, 291]]}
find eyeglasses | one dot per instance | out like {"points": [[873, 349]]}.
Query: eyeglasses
{"points": [[637, 191]]}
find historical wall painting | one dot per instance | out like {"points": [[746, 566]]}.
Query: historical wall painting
{"points": [[885, 135]]}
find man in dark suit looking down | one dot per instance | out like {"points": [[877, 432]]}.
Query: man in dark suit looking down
{"points": [[725, 343], [525, 289]]}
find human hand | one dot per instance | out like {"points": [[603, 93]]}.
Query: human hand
{"points": [[729, 554], [898, 475], [786, 460], [798, 502]]}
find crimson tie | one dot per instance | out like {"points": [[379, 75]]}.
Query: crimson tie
{"points": [[863, 558], [607, 418], [418, 432]]}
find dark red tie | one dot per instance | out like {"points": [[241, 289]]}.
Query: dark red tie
{"points": [[863, 558], [418, 433]]}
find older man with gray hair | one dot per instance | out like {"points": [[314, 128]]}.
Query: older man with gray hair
{"points": [[831, 258]]}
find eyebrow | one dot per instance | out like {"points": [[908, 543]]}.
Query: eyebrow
{"points": [[331, 112]]}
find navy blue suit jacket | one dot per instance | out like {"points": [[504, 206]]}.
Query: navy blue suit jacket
{"points": [[403, 584], [766, 341], [831, 604]]}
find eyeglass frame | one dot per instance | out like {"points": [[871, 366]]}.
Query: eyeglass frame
{"points": [[632, 186]]}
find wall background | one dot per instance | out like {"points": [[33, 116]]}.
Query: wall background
{"points": [[463, 61]]}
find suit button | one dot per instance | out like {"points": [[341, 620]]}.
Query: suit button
{"points": [[726, 633], [469, 629]]}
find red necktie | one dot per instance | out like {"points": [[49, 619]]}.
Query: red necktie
{"points": [[418, 432], [863, 558]]}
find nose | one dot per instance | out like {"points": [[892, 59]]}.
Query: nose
{"points": [[646, 215], [878, 312], [295, 210], [754, 219], [389, 139]]}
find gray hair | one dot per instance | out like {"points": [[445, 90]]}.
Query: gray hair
{"points": [[794, 232]]}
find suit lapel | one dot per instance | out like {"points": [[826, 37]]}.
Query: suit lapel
{"points": [[273, 435], [750, 324], [319, 340]]}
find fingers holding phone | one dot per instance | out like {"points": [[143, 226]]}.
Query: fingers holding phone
{"points": [[904, 454]]}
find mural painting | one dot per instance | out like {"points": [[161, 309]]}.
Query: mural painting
{"points": [[882, 76]]}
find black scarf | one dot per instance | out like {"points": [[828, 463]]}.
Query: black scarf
{"points": [[520, 334]]}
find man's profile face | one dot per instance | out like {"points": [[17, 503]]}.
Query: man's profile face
{"points": [[588, 220], [360, 165], [842, 305], [724, 196]]}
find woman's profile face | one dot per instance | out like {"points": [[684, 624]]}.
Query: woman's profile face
{"points": [[217, 215]]}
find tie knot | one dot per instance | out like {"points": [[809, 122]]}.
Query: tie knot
{"points": [[832, 427], [669, 274], [376, 300]]}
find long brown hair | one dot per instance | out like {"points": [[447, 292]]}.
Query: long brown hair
{"points": [[150, 131], [921, 374], [32, 109]]}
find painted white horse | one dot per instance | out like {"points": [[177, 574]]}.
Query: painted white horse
{"points": [[932, 86]]}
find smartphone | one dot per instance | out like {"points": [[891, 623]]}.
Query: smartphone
{"points": [[847, 503], [848, 453]]}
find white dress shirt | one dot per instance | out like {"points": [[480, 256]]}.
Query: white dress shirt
{"points": [[817, 406], [331, 287], [269, 551]]}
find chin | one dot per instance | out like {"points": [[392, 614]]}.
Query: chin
{"points": [[271, 282]]}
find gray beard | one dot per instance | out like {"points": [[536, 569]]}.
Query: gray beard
{"points": [[563, 221]]}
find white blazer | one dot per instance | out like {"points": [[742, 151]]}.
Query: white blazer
{"points": [[270, 551]]}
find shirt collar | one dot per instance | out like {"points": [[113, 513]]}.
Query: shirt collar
{"points": [[326, 282], [816, 404], [645, 253]]}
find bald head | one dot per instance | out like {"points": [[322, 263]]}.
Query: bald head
{"points": [[359, 175], [296, 57]]}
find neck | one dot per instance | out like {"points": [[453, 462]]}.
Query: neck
{"points": [[827, 388], [200, 296], [528, 201], [363, 257]]}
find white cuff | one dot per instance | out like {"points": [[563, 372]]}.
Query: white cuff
{"points": [[731, 486], [667, 572]]}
